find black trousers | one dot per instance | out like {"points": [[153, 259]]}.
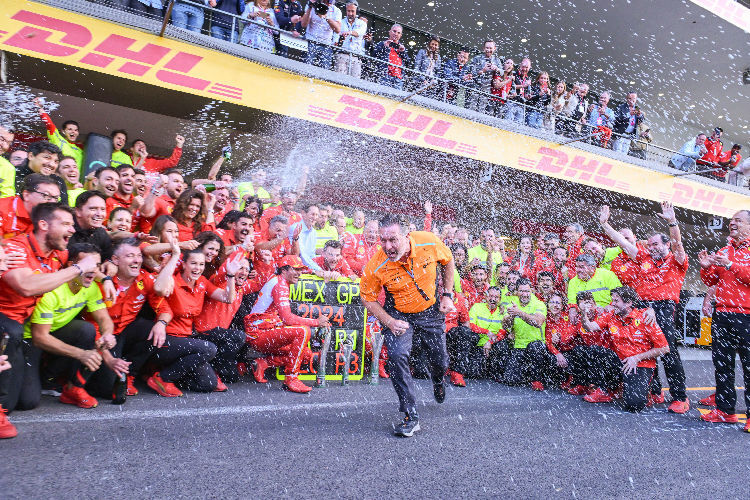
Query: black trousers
{"points": [[609, 376], [425, 328], [132, 345], [11, 381], [730, 334], [518, 366], [78, 333], [228, 343], [553, 374], [665, 312], [186, 360]]}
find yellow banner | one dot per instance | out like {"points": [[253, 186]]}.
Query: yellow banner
{"points": [[77, 40]]}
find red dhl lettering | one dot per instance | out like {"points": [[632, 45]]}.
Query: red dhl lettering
{"points": [[579, 168], [699, 198], [134, 57]]}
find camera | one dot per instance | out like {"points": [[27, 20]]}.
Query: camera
{"points": [[321, 7]]}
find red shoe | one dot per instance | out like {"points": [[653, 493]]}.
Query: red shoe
{"points": [[747, 426], [655, 399], [131, 391], [78, 396], [719, 417], [162, 387], [259, 370], [537, 386], [598, 396], [293, 384], [220, 386], [381, 370], [242, 368], [566, 384], [709, 400], [7, 430], [457, 379], [578, 390], [680, 407]]}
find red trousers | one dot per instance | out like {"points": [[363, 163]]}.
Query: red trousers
{"points": [[285, 345], [605, 134]]}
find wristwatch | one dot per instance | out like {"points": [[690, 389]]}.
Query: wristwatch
{"points": [[448, 294]]}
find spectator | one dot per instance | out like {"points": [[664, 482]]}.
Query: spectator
{"points": [[395, 58], [727, 160], [17, 156], [221, 24], [555, 107], [454, 72], [428, 63], [91, 212], [44, 253], [575, 110], [689, 152], [641, 140], [73, 351], [351, 39], [69, 171], [64, 139], [502, 82], [15, 211], [7, 169], [627, 118], [539, 97], [188, 16], [119, 139], [255, 35], [148, 7], [601, 119], [321, 24], [142, 161], [714, 147], [274, 330], [288, 17], [515, 110], [481, 70]]}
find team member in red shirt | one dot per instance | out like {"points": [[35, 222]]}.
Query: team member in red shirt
{"points": [[184, 358], [236, 237], [274, 330], [136, 336], [152, 165], [592, 347], [623, 266], [635, 347], [523, 262], [43, 253], [276, 239], [155, 204], [574, 238], [286, 209], [475, 287], [659, 283], [332, 264], [459, 339], [729, 271], [15, 211], [715, 147], [214, 322], [727, 161], [347, 240], [562, 337], [123, 196], [368, 244], [194, 212]]}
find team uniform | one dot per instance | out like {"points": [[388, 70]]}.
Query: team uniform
{"points": [[600, 285], [522, 356], [14, 218]]}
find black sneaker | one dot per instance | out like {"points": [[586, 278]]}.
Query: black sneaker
{"points": [[439, 391], [409, 426]]}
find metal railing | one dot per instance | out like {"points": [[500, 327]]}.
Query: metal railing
{"points": [[436, 87]]}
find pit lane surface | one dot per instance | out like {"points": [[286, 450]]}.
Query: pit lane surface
{"points": [[486, 440]]}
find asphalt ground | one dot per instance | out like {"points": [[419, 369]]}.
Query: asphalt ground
{"points": [[486, 440]]}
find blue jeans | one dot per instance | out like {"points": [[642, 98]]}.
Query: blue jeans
{"points": [[514, 112], [392, 81], [188, 17], [319, 55], [223, 33], [534, 119]]}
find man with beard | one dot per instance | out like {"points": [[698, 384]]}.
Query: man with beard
{"points": [[237, 238], [286, 209], [119, 157], [155, 204], [123, 195], [368, 243], [332, 264], [90, 212], [44, 252], [406, 268], [475, 287], [15, 212], [106, 181], [487, 325]]}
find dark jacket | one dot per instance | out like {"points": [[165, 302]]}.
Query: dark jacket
{"points": [[536, 99], [235, 7], [382, 51], [285, 10], [622, 119], [97, 236], [23, 170]]}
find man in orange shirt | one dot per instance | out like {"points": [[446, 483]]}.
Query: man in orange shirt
{"points": [[659, 282], [15, 212], [406, 267], [635, 347]]}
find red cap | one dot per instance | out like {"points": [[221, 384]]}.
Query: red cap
{"points": [[291, 260]]}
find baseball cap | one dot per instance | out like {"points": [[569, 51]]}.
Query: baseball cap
{"points": [[292, 261]]}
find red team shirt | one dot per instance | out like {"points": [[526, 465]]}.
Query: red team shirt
{"points": [[660, 280], [186, 304], [129, 302], [630, 335], [569, 334], [14, 219]]}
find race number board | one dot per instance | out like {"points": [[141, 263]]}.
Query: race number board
{"points": [[339, 301]]}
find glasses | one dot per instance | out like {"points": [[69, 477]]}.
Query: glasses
{"points": [[47, 196]]}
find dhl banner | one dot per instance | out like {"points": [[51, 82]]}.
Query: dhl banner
{"points": [[77, 40]]}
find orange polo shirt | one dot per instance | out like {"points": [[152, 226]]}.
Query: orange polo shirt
{"points": [[631, 336], [14, 219], [412, 281], [187, 303]]}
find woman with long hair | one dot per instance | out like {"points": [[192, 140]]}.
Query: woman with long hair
{"points": [[157, 254], [255, 35], [556, 105], [194, 213], [213, 249], [539, 99], [523, 262]]}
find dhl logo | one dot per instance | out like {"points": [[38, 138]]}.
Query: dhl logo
{"points": [[49, 36], [369, 115], [582, 169]]}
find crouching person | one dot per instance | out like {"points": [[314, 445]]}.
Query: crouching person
{"points": [[274, 330], [73, 351], [635, 347]]}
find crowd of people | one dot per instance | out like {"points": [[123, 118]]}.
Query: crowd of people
{"points": [[131, 273], [340, 39]]}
